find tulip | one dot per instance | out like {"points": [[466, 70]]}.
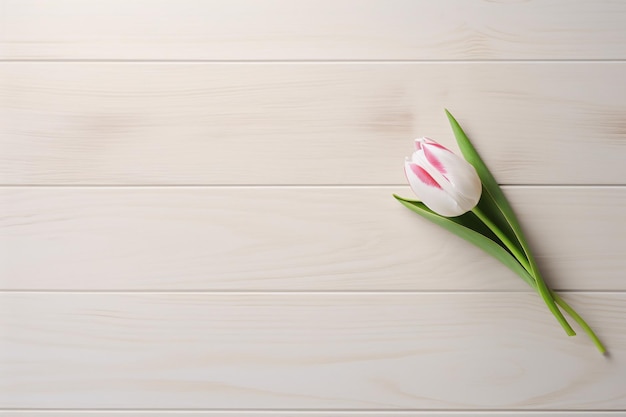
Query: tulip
{"points": [[446, 183], [449, 186]]}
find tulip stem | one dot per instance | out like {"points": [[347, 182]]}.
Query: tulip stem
{"points": [[530, 266], [581, 322], [577, 318], [507, 242]]}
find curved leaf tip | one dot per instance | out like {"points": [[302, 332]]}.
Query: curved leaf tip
{"points": [[401, 199]]}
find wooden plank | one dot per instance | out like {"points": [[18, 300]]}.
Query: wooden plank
{"points": [[312, 29], [307, 351], [291, 238], [307, 413], [304, 123]]}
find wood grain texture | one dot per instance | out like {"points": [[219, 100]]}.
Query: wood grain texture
{"points": [[307, 351], [305, 413], [305, 123], [312, 29], [291, 239], [284, 280]]}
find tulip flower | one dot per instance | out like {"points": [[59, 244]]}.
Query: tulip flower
{"points": [[446, 183], [462, 196]]}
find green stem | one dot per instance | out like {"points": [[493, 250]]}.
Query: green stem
{"points": [[530, 267], [504, 238], [546, 292], [580, 321]]}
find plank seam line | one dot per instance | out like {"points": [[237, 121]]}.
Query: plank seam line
{"points": [[320, 61], [301, 292], [284, 186], [308, 410]]}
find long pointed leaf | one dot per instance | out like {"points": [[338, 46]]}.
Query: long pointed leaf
{"points": [[493, 201], [496, 196], [488, 205], [462, 226]]}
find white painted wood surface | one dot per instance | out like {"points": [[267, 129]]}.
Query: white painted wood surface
{"points": [[307, 413], [303, 351], [198, 123], [312, 29], [186, 236], [291, 238]]}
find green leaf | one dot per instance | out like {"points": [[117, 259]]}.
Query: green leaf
{"points": [[488, 205], [501, 211], [468, 227], [493, 201], [471, 229]]}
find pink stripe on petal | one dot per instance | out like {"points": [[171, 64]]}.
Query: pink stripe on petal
{"points": [[429, 141], [433, 160], [424, 176]]}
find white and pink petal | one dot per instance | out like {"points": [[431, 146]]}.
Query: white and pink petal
{"points": [[430, 192]]}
